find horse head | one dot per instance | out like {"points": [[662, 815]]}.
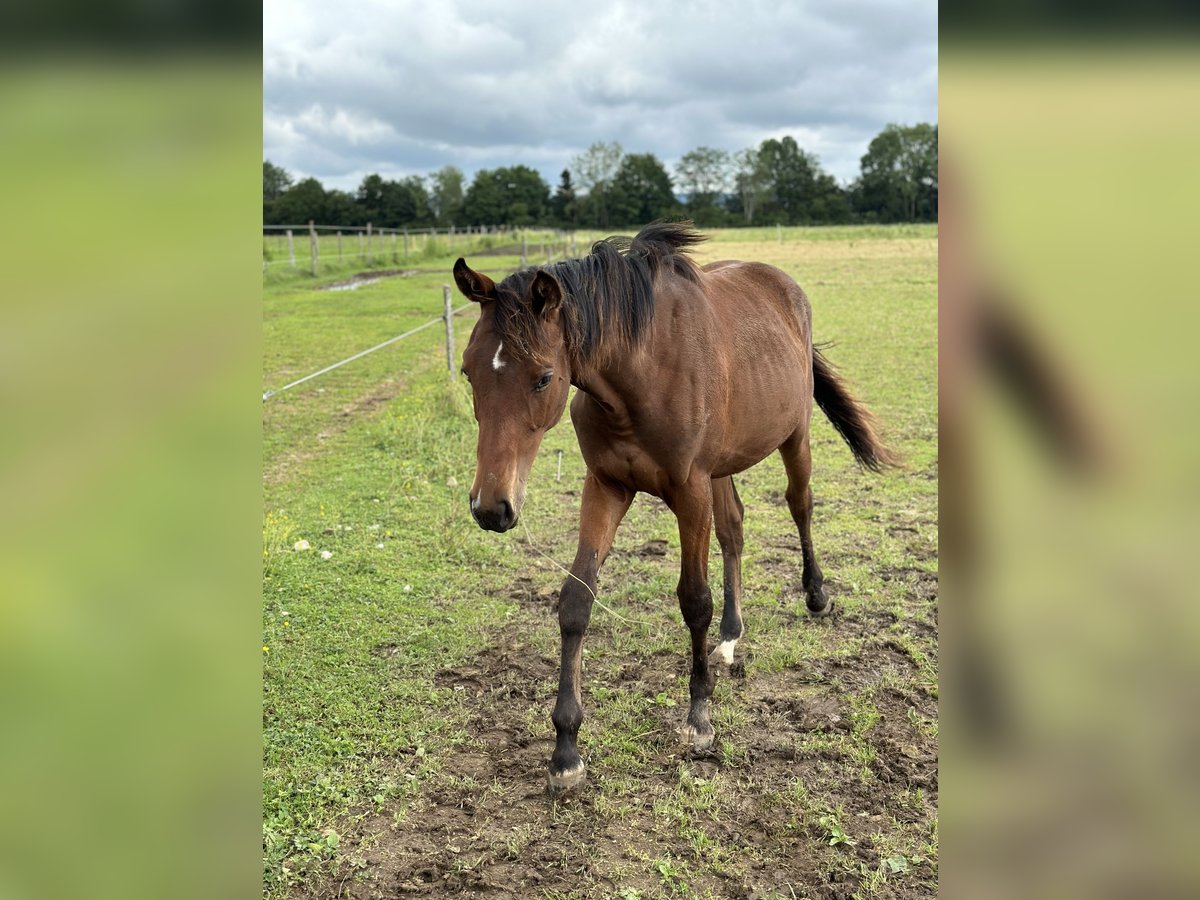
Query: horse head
{"points": [[517, 364]]}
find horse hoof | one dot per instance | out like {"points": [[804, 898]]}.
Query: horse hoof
{"points": [[558, 783], [698, 739], [823, 608]]}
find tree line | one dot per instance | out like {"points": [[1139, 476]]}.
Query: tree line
{"points": [[776, 182]]}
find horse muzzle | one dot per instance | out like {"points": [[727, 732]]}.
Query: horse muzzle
{"points": [[498, 516]]}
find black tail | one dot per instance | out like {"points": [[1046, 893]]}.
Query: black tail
{"points": [[851, 419]]}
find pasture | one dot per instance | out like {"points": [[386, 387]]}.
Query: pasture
{"points": [[410, 659]]}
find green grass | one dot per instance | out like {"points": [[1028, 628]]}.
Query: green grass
{"points": [[371, 463]]}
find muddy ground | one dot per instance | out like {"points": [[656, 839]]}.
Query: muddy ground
{"points": [[797, 749]]}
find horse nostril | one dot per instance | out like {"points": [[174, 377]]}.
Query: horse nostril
{"points": [[506, 514]]}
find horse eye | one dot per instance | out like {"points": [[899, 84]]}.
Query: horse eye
{"points": [[543, 382]]}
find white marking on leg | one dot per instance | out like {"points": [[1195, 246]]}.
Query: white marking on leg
{"points": [[724, 651], [497, 362], [568, 778]]}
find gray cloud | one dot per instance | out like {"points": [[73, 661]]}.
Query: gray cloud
{"points": [[404, 88]]}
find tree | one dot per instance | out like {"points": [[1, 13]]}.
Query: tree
{"points": [[340, 209], [703, 175], [899, 175], [276, 180], [796, 190], [749, 182], [393, 204], [563, 203], [446, 194], [594, 169], [405, 202], [788, 174], [300, 203], [641, 191], [516, 195], [370, 198]]}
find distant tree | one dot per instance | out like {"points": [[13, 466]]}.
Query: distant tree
{"points": [[340, 209], [446, 194], [594, 170], [515, 195], [276, 180], [788, 174], [393, 204], [301, 202], [796, 190], [899, 180], [563, 202], [405, 202], [830, 203], [749, 183], [703, 175], [370, 198], [641, 191]]}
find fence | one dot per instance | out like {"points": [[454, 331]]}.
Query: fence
{"points": [[446, 318], [377, 245]]}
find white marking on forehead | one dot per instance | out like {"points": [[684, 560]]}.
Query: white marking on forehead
{"points": [[497, 362]]}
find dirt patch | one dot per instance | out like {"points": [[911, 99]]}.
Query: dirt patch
{"points": [[360, 407], [500, 250], [362, 279], [824, 774]]}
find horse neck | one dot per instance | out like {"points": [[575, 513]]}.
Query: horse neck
{"points": [[615, 380]]}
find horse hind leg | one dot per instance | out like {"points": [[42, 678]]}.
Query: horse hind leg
{"points": [[797, 460], [728, 513]]}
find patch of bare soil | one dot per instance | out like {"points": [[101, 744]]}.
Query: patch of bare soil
{"points": [[484, 827], [362, 279], [360, 407], [501, 250]]}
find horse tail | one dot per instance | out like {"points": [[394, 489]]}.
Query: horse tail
{"points": [[852, 420]]}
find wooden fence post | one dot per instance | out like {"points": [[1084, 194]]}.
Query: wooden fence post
{"points": [[339, 246], [449, 332], [291, 249], [395, 257], [406, 243], [523, 263], [369, 249], [313, 252]]}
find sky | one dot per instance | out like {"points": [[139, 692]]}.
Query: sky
{"points": [[403, 88]]}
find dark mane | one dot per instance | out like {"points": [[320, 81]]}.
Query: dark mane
{"points": [[608, 295]]}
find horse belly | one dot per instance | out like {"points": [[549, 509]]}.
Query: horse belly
{"points": [[767, 403]]}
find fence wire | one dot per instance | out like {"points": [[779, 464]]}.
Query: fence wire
{"points": [[268, 394]]}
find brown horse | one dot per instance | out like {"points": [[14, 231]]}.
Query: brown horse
{"points": [[686, 376]]}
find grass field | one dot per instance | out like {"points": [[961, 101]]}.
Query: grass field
{"points": [[409, 676]]}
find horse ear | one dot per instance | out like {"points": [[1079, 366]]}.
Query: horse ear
{"points": [[474, 285], [546, 293]]}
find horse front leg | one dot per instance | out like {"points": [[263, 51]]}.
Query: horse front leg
{"points": [[601, 512], [693, 507]]}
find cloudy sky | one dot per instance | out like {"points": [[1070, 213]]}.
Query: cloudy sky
{"points": [[403, 88]]}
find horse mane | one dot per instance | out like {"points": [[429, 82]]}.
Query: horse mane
{"points": [[608, 295]]}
